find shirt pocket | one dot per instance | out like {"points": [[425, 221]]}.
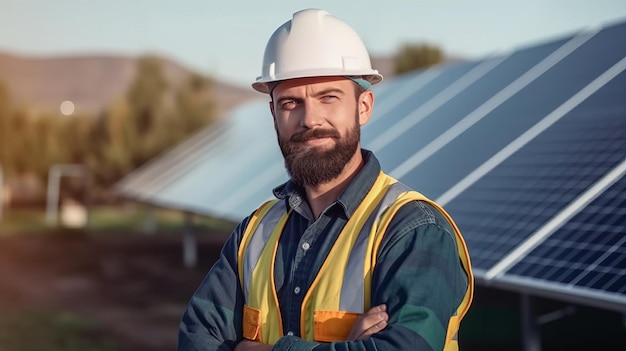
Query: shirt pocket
{"points": [[331, 326], [251, 323]]}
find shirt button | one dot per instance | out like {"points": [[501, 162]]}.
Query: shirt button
{"points": [[296, 290], [305, 246], [290, 333]]}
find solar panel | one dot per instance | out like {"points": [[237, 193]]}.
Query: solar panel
{"points": [[512, 201], [192, 176], [524, 150], [502, 118], [585, 259], [470, 94], [589, 251]]}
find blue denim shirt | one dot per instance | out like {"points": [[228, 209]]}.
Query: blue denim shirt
{"points": [[418, 276]]}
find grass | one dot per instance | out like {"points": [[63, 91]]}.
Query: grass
{"points": [[492, 324], [103, 219], [22, 220], [49, 331]]}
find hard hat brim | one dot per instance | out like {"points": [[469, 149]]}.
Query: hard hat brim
{"points": [[262, 85]]}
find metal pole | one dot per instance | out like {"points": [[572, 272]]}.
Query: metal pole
{"points": [[190, 245], [87, 198], [149, 222], [1, 193], [54, 184], [531, 339], [52, 198]]}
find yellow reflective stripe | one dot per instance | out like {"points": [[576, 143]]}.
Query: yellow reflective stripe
{"points": [[453, 325], [253, 223], [451, 345], [453, 329], [255, 266], [259, 239], [353, 290], [465, 260], [264, 296], [324, 293], [351, 297], [394, 190]]}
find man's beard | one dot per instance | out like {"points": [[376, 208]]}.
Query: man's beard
{"points": [[312, 166]]}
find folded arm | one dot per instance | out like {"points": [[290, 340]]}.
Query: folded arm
{"points": [[212, 320]]}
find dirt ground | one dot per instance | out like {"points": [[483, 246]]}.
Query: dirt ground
{"points": [[134, 286]]}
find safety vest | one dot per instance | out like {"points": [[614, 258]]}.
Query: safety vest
{"points": [[340, 292]]}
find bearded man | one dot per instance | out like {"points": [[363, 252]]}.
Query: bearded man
{"points": [[345, 257]]}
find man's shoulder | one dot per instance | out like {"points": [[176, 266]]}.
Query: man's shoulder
{"points": [[419, 213]]}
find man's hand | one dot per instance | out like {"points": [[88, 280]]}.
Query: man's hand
{"points": [[249, 345], [371, 322]]}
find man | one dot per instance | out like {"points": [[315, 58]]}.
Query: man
{"points": [[347, 257]]}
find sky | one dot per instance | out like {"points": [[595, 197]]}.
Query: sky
{"points": [[226, 39]]}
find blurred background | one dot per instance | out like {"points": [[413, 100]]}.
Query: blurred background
{"points": [[92, 92]]}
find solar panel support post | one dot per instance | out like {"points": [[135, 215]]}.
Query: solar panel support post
{"points": [[531, 338], [556, 315], [190, 245], [54, 189], [149, 222], [1, 192]]}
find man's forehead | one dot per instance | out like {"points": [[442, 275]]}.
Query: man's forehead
{"points": [[314, 83]]}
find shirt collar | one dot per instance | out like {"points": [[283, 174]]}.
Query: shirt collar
{"points": [[349, 200]]}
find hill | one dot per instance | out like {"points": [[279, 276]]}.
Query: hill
{"points": [[92, 82]]}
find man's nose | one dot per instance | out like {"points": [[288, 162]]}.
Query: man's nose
{"points": [[312, 116]]}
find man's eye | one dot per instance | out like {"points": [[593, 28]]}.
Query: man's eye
{"points": [[329, 98], [288, 105]]}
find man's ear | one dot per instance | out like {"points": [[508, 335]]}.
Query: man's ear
{"points": [[272, 109], [273, 115], [365, 106]]}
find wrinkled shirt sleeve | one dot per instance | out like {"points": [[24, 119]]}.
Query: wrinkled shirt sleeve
{"points": [[212, 319]]}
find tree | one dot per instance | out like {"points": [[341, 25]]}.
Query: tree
{"points": [[153, 116], [47, 145], [146, 110], [117, 143], [80, 139], [6, 111], [22, 137], [195, 106], [411, 57], [145, 96]]}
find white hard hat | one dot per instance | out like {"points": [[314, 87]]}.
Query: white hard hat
{"points": [[314, 43]]}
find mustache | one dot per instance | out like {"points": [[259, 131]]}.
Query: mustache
{"points": [[314, 134]]}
